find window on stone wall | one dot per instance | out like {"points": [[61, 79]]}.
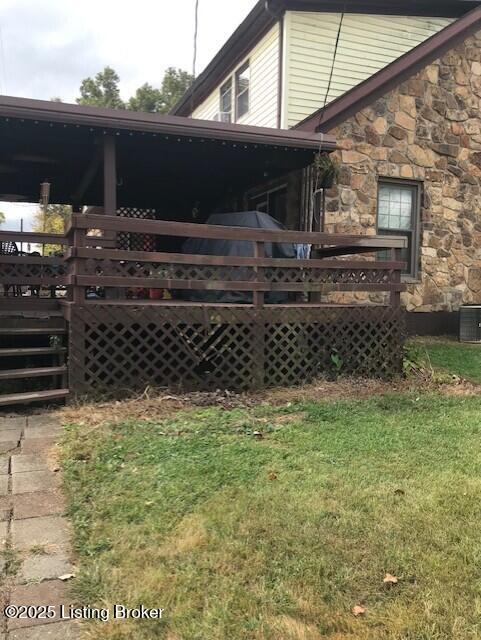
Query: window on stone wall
{"points": [[398, 207]]}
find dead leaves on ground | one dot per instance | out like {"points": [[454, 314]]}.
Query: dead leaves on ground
{"points": [[358, 610]]}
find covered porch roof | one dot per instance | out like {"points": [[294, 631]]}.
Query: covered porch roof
{"points": [[148, 160]]}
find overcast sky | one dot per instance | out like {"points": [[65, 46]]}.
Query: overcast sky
{"points": [[47, 47]]}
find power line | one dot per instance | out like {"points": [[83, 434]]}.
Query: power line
{"points": [[336, 46], [194, 61], [312, 216], [196, 28]]}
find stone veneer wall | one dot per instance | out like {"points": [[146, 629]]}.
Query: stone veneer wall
{"points": [[427, 129]]}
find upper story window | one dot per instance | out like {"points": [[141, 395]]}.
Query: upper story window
{"points": [[242, 85], [225, 106], [398, 215]]}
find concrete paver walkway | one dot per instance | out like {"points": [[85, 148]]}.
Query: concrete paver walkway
{"points": [[34, 534]]}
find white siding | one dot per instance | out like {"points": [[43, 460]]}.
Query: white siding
{"points": [[367, 44], [263, 91], [208, 109]]}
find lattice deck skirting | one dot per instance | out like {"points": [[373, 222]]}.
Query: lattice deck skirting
{"points": [[117, 347]]}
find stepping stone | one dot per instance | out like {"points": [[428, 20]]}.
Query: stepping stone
{"points": [[53, 592], [42, 427], [10, 435], [38, 445], [44, 531], [42, 432], [5, 508], [13, 423], [55, 631], [7, 447], [40, 503], [42, 421], [36, 568], [28, 462], [3, 534], [4, 460], [31, 481]]}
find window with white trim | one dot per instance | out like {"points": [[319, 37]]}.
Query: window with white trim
{"points": [[225, 104], [398, 215], [242, 87]]}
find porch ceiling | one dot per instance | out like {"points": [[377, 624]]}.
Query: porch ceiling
{"points": [[166, 162]]}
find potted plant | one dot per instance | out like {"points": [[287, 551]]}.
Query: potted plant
{"points": [[327, 170]]}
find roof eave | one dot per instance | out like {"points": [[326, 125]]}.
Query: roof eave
{"points": [[266, 13], [247, 34], [118, 120]]}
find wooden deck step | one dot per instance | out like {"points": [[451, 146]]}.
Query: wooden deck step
{"points": [[33, 396], [39, 372], [8, 331], [34, 351]]}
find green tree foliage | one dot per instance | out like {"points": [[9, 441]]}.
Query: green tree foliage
{"points": [[52, 220], [103, 91], [174, 84], [146, 98]]}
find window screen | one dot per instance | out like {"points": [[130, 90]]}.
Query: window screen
{"points": [[242, 86], [397, 214]]}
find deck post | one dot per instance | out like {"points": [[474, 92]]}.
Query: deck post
{"points": [[259, 252], [395, 297], [110, 176], [78, 296]]}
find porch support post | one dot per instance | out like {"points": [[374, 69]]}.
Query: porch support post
{"points": [[259, 252], [110, 176], [396, 295]]}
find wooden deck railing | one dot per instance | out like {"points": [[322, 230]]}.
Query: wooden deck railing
{"points": [[89, 262], [259, 275], [25, 267]]}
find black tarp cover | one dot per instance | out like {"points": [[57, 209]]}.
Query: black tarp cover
{"points": [[202, 246]]}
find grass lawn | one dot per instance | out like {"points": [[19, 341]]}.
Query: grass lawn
{"points": [[448, 355], [278, 537]]}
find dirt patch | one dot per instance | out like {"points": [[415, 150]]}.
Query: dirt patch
{"points": [[189, 534], [155, 405], [292, 629]]}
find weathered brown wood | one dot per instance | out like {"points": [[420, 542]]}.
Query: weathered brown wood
{"points": [[346, 250], [192, 230], [228, 346], [28, 304], [33, 238], [259, 253], [47, 260], [34, 372], [233, 261], [78, 292], [41, 281], [141, 302], [14, 331], [33, 351], [396, 294], [230, 285], [110, 175], [33, 396]]}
